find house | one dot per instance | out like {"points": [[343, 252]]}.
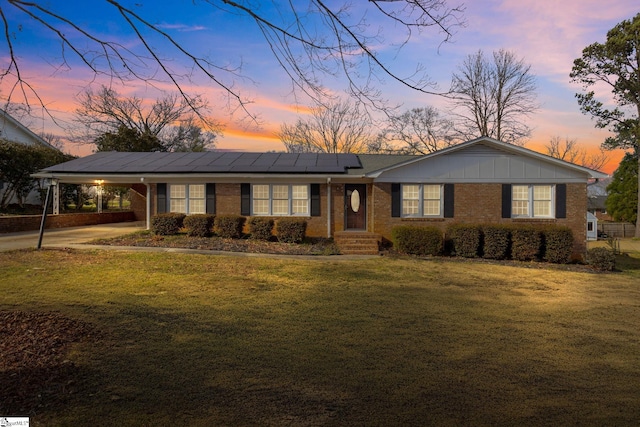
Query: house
{"points": [[597, 199], [14, 131], [352, 197]]}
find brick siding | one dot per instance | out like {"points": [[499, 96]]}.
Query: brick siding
{"points": [[481, 204], [10, 224]]}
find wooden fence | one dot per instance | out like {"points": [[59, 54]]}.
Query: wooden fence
{"points": [[616, 229]]}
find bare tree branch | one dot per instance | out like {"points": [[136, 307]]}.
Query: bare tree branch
{"points": [[311, 42]]}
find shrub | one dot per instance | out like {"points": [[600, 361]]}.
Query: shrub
{"points": [[199, 225], [260, 228], [229, 226], [415, 240], [291, 230], [496, 241], [526, 243], [602, 259], [465, 240], [558, 244], [167, 224]]}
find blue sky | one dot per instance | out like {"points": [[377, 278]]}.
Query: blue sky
{"points": [[549, 35]]}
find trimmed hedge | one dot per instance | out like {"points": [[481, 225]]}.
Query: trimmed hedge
{"points": [[229, 226], [465, 240], [416, 240], [166, 224], [199, 225], [602, 259], [526, 243], [291, 230], [558, 244], [260, 228], [496, 241]]}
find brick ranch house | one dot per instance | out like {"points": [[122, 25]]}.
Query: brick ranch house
{"points": [[352, 197]]}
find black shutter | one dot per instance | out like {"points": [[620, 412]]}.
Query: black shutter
{"points": [[315, 200], [211, 199], [245, 199], [506, 200], [448, 200], [396, 200], [161, 196], [561, 201]]}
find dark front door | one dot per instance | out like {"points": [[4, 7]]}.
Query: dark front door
{"points": [[355, 206]]}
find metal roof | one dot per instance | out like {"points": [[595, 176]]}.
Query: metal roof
{"points": [[208, 162]]}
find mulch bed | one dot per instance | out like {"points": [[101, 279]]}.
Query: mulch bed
{"points": [[147, 239]]}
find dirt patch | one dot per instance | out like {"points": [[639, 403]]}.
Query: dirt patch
{"points": [[34, 370]]}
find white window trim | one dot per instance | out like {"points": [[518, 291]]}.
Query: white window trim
{"points": [[289, 202], [530, 214], [420, 213], [188, 198]]}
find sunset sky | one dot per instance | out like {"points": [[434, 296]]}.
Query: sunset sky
{"points": [[549, 35]]}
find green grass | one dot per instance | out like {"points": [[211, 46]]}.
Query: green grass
{"points": [[213, 340]]}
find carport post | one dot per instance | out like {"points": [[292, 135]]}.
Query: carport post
{"points": [[52, 183], [148, 218]]}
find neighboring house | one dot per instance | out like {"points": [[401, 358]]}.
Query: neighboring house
{"points": [[349, 196], [597, 198], [14, 131]]}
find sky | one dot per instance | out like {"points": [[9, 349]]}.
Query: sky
{"points": [[549, 35]]}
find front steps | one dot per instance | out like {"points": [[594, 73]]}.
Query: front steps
{"points": [[358, 242]]}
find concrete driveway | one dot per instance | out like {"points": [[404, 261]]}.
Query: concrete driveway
{"points": [[66, 236]]}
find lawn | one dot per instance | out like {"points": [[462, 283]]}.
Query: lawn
{"points": [[177, 339]]}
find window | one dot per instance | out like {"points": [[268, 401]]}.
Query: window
{"points": [[532, 201], [187, 199], [421, 200], [280, 199]]}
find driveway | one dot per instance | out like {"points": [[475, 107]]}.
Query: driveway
{"points": [[66, 236]]}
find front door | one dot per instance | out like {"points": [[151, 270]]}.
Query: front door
{"points": [[355, 206]]}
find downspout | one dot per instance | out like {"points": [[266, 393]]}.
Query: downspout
{"points": [[329, 207]]}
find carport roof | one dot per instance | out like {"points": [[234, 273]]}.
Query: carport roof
{"points": [[208, 162]]}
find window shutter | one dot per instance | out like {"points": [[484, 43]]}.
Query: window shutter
{"points": [[210, 204], [506, 200], [315, 200], [245, 199], [561, 201], [396, 202], [161, 198], [448, 200]]}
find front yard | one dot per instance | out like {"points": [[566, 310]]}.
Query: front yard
{"points": [[176, 339]]}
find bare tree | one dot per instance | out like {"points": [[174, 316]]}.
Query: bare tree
{"points": [[570, 151], [309, 40], [336, 128], [419, 131], [493, 98], [106, 112]]}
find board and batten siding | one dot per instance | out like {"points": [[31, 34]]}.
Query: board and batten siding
{"points": [[482, 164]]}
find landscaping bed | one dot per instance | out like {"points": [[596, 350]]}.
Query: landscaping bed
{"points": [[145, 238]]}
